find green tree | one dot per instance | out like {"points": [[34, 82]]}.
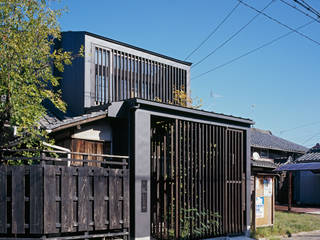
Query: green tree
{"points": [[28, 29]]}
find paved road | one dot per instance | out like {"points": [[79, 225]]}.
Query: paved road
{"points": [[305, 236]]}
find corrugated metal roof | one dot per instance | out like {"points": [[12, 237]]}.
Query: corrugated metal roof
{"points": [[265, 139]]}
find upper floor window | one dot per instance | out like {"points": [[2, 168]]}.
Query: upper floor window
{"points": [[120, 75], [102, 75]]}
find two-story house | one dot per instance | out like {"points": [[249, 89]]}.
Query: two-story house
{"points": [[183, 161]]}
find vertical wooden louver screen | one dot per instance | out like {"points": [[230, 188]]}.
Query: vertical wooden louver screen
{"points": [[198, 174], [134, 77], [102, 75]]}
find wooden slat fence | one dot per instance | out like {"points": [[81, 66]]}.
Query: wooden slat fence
{"points": [[42, 200], [198, 171]]}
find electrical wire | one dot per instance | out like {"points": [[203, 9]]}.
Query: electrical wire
{"points": [[308, 7], [277, 21], [313, 136], [233, 35], [300, 126], [214, 31], [253, 50], [299, 10]]}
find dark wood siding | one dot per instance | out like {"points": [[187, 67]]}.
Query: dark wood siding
{"points": [[198, 174]]}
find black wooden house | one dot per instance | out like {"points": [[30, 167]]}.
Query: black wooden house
{"points": [[189, 168], [180, 158]]}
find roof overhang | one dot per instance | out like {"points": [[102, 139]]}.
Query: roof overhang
{"points": [[76, 123], [277, 149], [310, 166], [190, 112]]}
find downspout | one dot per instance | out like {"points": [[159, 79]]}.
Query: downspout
{"points": [[60, 148]]}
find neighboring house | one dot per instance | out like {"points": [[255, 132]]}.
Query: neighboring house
{"points": [[121, 100], [306, 181], [272, 151]]}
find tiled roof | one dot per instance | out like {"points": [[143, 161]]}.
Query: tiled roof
{"points": [[309, 157], [55, 119], [264, 164], [265, 139]]}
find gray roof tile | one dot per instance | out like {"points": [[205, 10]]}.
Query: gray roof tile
{"points": [[55, 118], [309, 157], [265, 139]]}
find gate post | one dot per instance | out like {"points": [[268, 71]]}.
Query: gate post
{"points": [[142, 174]]}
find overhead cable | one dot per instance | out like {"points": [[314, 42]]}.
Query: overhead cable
{"points": [[299, 10], [233, 35], [214, 31], [253, 50], [282, 24]]}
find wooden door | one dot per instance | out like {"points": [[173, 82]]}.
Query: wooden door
{"points": [[91, 147]]}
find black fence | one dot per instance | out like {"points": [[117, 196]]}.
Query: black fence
{"points": [[65, 202], [198, 171]]}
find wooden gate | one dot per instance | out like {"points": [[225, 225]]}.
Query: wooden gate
{"points": [[198, 180]]}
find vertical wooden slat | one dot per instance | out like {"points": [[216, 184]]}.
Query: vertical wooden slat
{"points": [[49, 199], [3, 199], [177, 180], [83, 209], [118, 76], [184, 174], [221, 180], [239, 183], [192, 173], [207, 178], [17, 198], [114, 194], [67, 194], [36, 200], [196, 172], [199, 173], [158, 163], [99, 202], [128, 79], [243, 178], [101, 74], [126, 198], [160, 81]]}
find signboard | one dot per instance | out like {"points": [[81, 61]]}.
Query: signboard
{"points": [[259, 207], [267, 183]]}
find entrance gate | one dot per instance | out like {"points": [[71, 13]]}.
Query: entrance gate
{"points": [[198, 180]]}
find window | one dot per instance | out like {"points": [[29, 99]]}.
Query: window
{"points": [[102, 75], [133, 76]]}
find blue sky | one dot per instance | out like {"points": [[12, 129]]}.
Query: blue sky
{"points": [[277, 86]]}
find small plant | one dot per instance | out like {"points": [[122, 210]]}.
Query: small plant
{"points": [[182, 98], [195, 223]]}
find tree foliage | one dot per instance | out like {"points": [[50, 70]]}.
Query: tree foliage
{"points": [[28, 29]]}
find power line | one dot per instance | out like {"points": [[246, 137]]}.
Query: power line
{"points": [[277, 21], [253, 50], [232, 36], [299, 10], [214, 31], [308, 139], [300, 126], [308, 7]]}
